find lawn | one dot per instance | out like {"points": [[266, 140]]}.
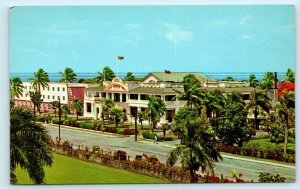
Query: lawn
{"points": [[265, 144], [67, 170]]}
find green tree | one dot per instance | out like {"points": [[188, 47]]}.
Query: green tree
{"points": [[65, 110], [286, 111], [216, 102], [191, 90], [39, 80], [290, 76], [107, 105], [28, 146], [259, 103], [16, 88], [198, 148], [142, 116], [231, 125], [117, 113], [229, 78], [157, 109], [253, 81], [268, 81], [106, 75], [68, 76], [36, 99], [54, 105], [77, 105], [129, 77]]}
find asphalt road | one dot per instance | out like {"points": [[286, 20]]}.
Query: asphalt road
{"points": [[250, 169]]}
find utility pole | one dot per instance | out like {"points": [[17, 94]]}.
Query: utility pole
{"points": [[135, 127], [59, 118]]}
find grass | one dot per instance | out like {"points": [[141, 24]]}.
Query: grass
{"points": [[68, 170], [265, 143]]}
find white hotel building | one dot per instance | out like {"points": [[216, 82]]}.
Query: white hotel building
{"points": [[132, 95]]}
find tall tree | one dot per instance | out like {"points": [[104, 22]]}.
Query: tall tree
{"points": [[231, 125], [77, 106], [129, 77], [65, 110], [198, 148], [68, 76], [253, 81], [259, 102], [191, 90], [268, 81], [216, 102], [157, 109], [16, 88], [39, 80], [286, 110], [36, 99], [106, 75], [142, 116], [54, 105], [290, 76], [229, 78], [117, 113], [28, 146]]}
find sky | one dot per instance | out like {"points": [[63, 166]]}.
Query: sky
{"points": [[153, 38]]}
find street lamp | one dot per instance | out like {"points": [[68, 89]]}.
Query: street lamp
{"points": [[59, 118]]}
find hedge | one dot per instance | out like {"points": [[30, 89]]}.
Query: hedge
{"points": [[86, 125], [149, 135]]}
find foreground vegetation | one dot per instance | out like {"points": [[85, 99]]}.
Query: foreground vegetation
{"points": [[67, 170]]}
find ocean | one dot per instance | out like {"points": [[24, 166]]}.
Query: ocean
{"points": [[54, 77]]}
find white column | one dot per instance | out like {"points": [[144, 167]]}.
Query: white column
{"points": [[121, 97]]}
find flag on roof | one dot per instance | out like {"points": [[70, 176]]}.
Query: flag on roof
{"points": [[120, 57]]}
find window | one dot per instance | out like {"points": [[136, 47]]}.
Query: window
{"points": [[134, 96], [64, 98], [48, 96], [88, 107], [144, 97], [29, 87], [103, 95], [170, 97], [53, 97], [57, 88], [97, 94], [26, 95], [123, 97], [48, 88], [43, 88], [43, 96], [63, 89], [53, 89]]}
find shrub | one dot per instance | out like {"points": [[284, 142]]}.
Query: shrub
{"points": [[276, 133], [86, 125], [268, 177], [149, 135], [67, 122], [96, 148], [55, 120], [292, 135], [120, 130]]}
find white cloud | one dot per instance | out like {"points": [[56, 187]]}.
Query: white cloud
{"points": [[247, 37], [246, 19], [175, 33]]}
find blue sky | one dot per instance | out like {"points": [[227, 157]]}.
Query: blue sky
{"points": [[153, 38]]}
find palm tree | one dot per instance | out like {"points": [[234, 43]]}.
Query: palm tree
{"points": [[286, 110], [253, 81], [68, 76], [117, 113], [39, 80], [191, 90], [37, 100], [290, 76], [198, 143], [229, 78], [156, 108], [216, 102], [129, 77], [106, 75], [259, 101], [268, 81], [77, 105], [107, 105], [54, 105], [142, 116], [28, 146], [65, 110], [16, 88]]}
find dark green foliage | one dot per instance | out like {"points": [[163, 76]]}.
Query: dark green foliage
{"points": [[290, 76], [268, 81], [229, 78], [149, 135], [231, 125], [86, 125], [268, 177], [28, 146], [276, 132], [106, 75], [129, 77]]}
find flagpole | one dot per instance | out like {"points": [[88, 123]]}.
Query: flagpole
{"points": [[117, 67]]}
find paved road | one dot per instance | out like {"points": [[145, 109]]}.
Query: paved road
{"points": [[250, 169]]}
